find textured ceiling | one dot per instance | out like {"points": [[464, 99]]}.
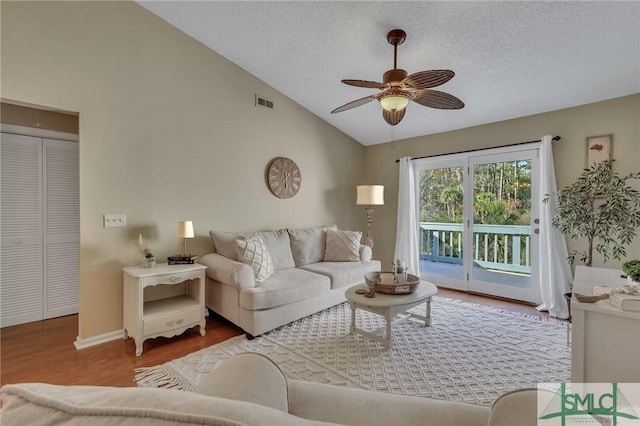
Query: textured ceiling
{"points": [[511, 59]]}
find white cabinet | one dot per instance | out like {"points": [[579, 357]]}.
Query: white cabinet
{"points": [[39, 259], [605, 340], [163, 301]]}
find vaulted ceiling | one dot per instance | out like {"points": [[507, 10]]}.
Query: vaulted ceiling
{"points": [[511, 59]]}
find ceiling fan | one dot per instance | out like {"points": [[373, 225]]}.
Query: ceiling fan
{"points": [[398, 88]]}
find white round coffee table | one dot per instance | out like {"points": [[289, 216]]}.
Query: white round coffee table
{"points": [[388, 306]]}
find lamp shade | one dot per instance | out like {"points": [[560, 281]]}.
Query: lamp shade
{"points": [[185, 229], [370, 195], [394, 102]]}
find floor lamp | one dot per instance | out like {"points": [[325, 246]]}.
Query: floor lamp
{"points": [[370, 195]]}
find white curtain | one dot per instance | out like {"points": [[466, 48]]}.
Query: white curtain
{"points": [[407, 226], [554, 271]]}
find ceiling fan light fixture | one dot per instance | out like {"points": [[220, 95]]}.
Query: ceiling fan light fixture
{"points": [[398, 88], [394, 101]]}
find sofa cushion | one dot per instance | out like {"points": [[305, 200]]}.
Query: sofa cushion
{"points": [[351, 406], [249, 377], [279, 246], [225, 243], [343, 273], [342, 246], [284, 287], [254, 252], [516, 407], [307, 245], [44, 404]]}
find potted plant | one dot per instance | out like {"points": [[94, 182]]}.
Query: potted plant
{"points": [[148, 260], [632, 269], [151, 259], [602, 207]]}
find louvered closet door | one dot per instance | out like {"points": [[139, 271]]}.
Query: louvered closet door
{"points": [[61, 227], [21, 290]]}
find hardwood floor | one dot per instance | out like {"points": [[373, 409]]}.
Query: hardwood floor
{"points": [[43, 351]]}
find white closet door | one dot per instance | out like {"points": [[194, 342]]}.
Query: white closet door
{"points": [[61, 227], [21, 291]]}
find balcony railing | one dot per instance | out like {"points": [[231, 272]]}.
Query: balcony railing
{"points": [[498, 247]]}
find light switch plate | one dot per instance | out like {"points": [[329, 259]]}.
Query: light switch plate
{"points": [[114, 220]]}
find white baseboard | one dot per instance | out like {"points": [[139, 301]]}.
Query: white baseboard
{"points": [[97, 340]]}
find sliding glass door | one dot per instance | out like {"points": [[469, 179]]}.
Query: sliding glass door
{"points": [[477, 221], [504, 205], [441, 215]]}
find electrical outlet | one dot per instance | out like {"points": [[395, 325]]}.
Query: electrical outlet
{"points": [[114, 220]]}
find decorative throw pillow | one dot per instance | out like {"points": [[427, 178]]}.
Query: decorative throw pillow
{"points": [[308, 245], [342, 246], [253, 251], [225, 243], [279, 248]]}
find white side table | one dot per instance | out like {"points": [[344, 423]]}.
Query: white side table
{"points": [[388, 306], [167, 313], [605, 343]]}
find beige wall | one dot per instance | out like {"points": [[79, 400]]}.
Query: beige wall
{"points": [[168, 132], [618, 116]]}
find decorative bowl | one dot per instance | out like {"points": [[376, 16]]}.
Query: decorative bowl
{"points": [[381, 283]]}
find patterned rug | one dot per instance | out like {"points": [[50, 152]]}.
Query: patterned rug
{"points": [[471, 353]]}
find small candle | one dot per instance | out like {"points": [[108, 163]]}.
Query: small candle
{"points": [[386, 278]]}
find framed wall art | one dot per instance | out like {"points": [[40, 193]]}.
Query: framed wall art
{"points": [[599, 148]]}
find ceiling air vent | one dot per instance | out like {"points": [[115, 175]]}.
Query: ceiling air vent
{"points": [[260, 101]]}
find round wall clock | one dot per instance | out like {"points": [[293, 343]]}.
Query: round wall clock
{"points": [[284, 177]]}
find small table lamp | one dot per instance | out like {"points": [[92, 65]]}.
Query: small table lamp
{"points": [[370, 195], [185, 230]]}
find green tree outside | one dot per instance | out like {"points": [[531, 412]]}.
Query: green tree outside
{"points": [[502, 194]]}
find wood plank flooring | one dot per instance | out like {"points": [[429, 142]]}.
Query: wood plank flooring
{"points": [[43, 351]]}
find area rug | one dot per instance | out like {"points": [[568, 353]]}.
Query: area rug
{"points": [[471, 353]]}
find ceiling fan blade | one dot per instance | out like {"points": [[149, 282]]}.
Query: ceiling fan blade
{"points": [[365, 83], [393, 117], [437, 99], [354, 104], [428, 79]]}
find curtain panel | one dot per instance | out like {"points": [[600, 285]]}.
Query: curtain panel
{"points": [[554, 272], [407, 225]]}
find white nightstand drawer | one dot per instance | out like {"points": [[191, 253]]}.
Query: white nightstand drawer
{"points": [[165, 323], [170, 278]]}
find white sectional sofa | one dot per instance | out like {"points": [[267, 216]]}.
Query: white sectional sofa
{"points": [[301, 281], [249, 389]]}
